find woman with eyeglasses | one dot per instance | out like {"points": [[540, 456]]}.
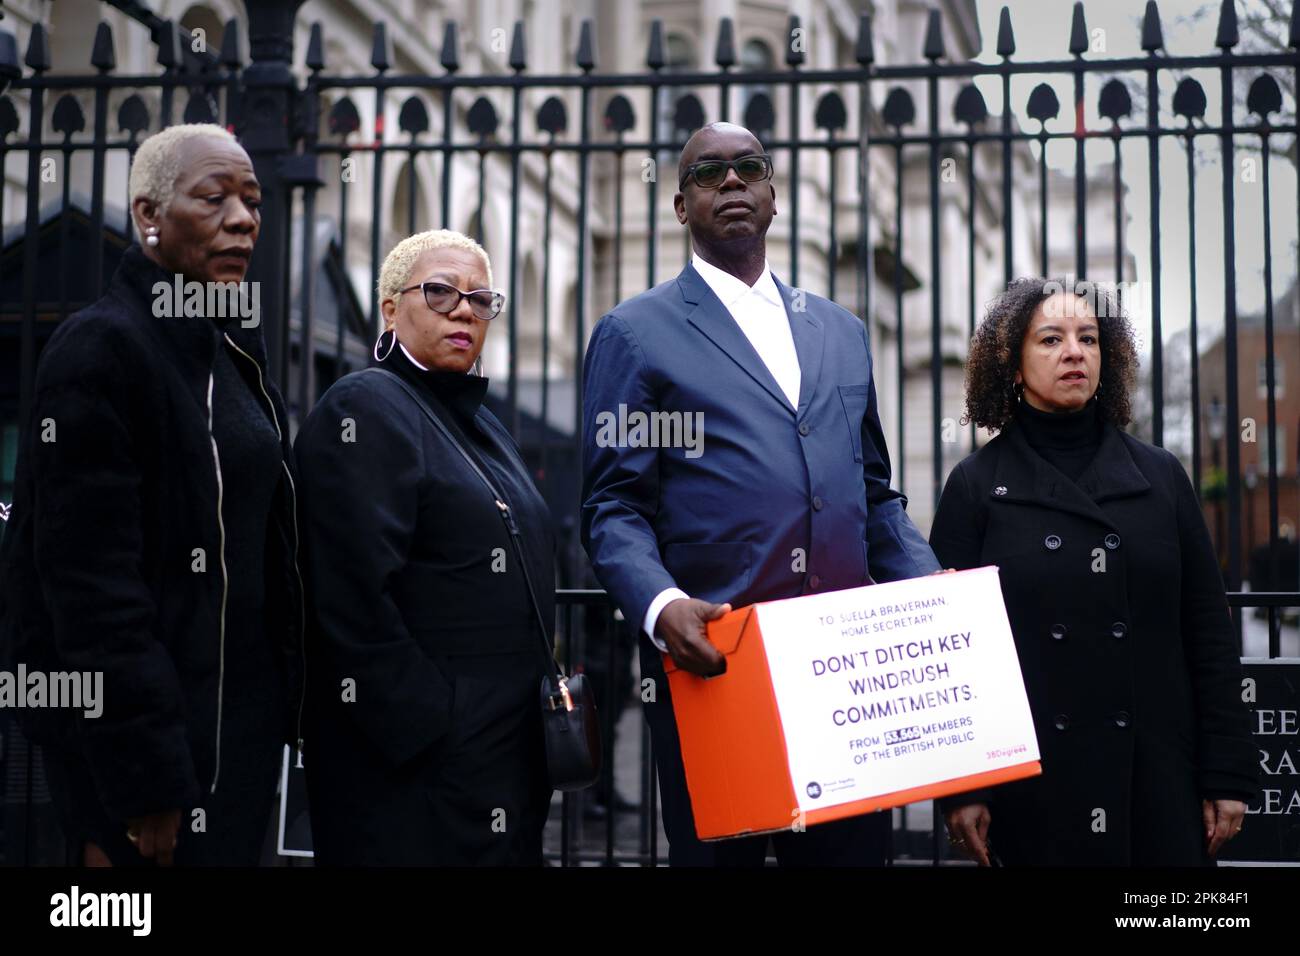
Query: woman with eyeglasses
{"points": [[423, 727]]}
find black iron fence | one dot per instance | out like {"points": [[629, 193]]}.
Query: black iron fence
{"points": [[591, 137]]}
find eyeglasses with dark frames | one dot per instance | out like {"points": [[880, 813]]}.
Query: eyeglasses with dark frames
{"points": [[712, 173], [444, 299]]}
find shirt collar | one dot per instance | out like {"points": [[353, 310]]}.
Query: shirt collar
{"points": [[462, 392], [731, 290]]}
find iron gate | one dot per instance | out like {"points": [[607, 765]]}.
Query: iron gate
{"points": [[299, 133]]}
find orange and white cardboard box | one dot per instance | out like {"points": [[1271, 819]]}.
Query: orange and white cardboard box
{"points": [[854, 701]]}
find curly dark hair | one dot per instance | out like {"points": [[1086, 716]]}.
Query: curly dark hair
{"points": [[995, 351]]}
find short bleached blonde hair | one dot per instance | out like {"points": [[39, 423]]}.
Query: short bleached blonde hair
{"points": [[157, 163], [395, 274]]}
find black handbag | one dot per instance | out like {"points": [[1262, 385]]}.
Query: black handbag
{"points": [[569, 721]]}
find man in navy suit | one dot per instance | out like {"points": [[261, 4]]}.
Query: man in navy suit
{"points": [[733, 453]]}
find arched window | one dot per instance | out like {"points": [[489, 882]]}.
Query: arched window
{"points": [[475, 228], [756, 57], [679, 56], [205, 29], [399, 220], [199, 50], [71, 39]]}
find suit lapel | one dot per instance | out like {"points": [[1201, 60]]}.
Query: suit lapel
{"points": [[809, 340], [711, 318], [1025, 476]]}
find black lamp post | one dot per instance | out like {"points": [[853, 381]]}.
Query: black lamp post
{"points": [[265, 127]]}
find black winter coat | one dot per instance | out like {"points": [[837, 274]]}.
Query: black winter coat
{"points": [[1130, 662], [101, 570], [423, 741]]}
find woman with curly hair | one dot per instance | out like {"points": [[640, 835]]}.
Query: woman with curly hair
{"points": [[1114, 596]]}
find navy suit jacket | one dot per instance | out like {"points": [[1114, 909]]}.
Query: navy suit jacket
{"points": [[777, 502]]}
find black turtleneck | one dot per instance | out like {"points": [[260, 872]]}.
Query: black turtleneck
{"points": [[1067, 440], [459, 392]]}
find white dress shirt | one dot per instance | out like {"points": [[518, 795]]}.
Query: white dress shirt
{"points": [[760, 313]]}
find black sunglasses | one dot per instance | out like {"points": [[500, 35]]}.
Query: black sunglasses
{"points": [[712, 173], [444, 299]]}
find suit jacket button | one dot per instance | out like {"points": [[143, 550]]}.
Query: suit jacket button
{"points": [[814, 582], [1061, 722], [1118, 630], [804, 429], [1052, 542], [817, 504], [1058, 632], [1112, 541], [1122, 719]]}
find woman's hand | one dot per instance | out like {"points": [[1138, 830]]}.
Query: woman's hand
{"points": [[968, 829], [154, 836], [1223, 819]]}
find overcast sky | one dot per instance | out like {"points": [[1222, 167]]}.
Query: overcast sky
{"points": [[1042, 30]]}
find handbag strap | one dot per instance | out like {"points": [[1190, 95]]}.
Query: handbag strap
{"points": [[503, 509]]}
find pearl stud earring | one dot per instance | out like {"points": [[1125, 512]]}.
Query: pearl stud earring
{"points": [[152, 238]]}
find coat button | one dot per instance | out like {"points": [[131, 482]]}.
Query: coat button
{"points": [[1122, 719], [1058, 632], [1112, 541], [1000, 490], [1061, 722], [814, 582], [1052, 542], [817, 503], [1118, 630], [804, 429]]}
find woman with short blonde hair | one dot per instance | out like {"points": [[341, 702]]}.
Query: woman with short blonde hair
{"points": [[424, 741]]}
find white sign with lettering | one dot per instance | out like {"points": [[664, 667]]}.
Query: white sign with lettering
{"points": [[896, 686]]}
